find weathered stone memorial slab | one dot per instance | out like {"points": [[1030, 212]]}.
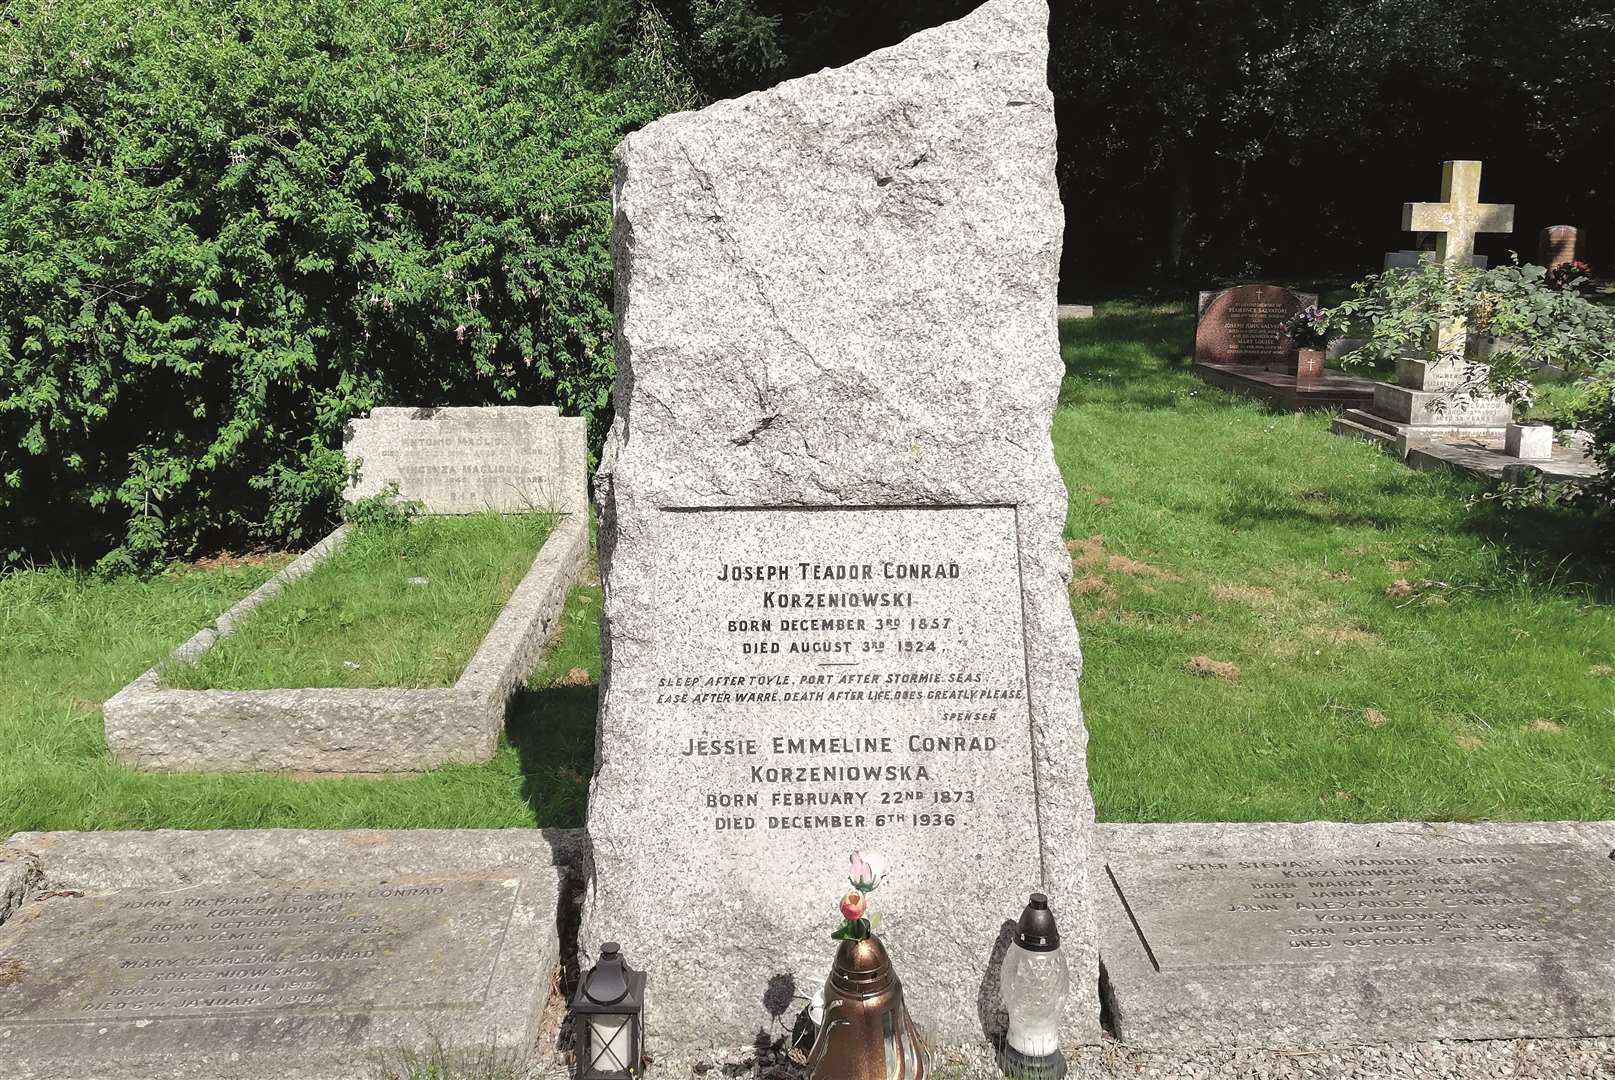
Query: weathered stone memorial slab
{"points": [[1248, 325], [1558, 245], [272, 977], [1358, 942], [836, 614], [463, 460]]}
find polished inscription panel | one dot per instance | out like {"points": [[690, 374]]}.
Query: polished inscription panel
{"points": [[831, 678]]}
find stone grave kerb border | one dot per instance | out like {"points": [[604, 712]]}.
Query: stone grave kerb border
{"points": [[842, 379], [377, 730]]}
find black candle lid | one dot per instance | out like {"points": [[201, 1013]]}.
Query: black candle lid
{"points": [[607, 984], [1036, 931]]}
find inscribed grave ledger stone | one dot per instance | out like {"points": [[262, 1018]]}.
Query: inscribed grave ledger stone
{"points": [[296, 955], [1303, 935], [836, 610]]}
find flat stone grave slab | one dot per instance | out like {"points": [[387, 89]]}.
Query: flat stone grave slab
{"points": [[1365, 934], [333, 972], [1283, 390]]}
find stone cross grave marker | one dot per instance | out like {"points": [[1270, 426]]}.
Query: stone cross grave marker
{"points": [[1456, 220], [836, 611]]}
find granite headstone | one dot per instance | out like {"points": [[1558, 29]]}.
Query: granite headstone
{"points": [[836, 611], [468, 459], [1248, 326], [1558, 245]]}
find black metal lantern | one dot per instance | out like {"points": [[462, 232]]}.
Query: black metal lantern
{"points": [[608, 1018]]}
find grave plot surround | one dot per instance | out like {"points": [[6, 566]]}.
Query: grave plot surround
{"points": [[836, 610], [455, 460]]}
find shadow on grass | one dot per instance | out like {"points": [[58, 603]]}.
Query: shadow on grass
{"points": [[1134, 356], [1254, 505], [1571, 550], [1146, 352], [552, 730]]}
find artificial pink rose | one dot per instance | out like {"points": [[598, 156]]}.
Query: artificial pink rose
{"points": [[865, 870], [852, 906]]}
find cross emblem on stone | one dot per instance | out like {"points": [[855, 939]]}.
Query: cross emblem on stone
{"points": [[1456, 220], [1460, 214]]}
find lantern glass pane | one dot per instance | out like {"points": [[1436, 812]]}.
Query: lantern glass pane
{"points": [[610, 1043], [1034, 987]]}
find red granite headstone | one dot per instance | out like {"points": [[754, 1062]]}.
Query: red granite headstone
{"points": [[1247, 325], [1557, 245]]}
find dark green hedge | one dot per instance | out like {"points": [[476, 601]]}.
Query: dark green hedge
{"points": [[226, 226]]}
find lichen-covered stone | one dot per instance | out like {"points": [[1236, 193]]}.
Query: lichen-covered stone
{"points": [[837, 344]]}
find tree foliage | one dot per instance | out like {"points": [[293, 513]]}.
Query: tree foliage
{"points": [[1242, 137], [228, 226]]}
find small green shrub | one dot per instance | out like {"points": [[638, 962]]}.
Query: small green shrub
{"points": [[1537, 317], [227, 226], [1535, 322], [1594, 413], [383, 511]]}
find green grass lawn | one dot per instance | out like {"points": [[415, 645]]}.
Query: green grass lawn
{"points": [[1277, 624], [1282, 624], [69, 641], [394, 607]]}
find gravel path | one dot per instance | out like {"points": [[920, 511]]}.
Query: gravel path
{"points": [[1498, 1059]]}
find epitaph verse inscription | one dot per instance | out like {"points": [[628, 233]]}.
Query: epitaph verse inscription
{"points": [[1496, 903], [276, 950], [855, 673]]}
